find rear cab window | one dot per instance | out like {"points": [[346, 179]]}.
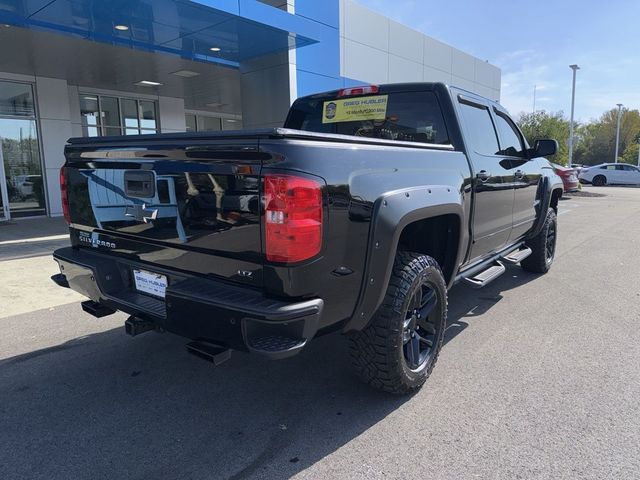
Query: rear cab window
{"points": [[404, 116]]}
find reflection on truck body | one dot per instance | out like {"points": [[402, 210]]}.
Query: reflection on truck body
{"points": [[181, 207], [111, 205]]}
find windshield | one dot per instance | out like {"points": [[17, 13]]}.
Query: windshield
{"points": [[405, 116]]}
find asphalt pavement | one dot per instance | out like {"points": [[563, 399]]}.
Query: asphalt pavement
{"points": [[539, 378]]}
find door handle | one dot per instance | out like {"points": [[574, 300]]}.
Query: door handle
{"points": [[519, 174], [483, 175]]}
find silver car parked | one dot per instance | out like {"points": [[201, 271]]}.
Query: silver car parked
{"points": [[610, 174]]}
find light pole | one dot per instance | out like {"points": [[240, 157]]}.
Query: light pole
{"points": [[618, 131], [575, 68]]}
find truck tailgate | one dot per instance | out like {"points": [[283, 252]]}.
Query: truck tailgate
{"points": [[185, 205]]}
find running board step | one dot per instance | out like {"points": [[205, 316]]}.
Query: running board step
{"points": [[487, 276], [517, 255]]}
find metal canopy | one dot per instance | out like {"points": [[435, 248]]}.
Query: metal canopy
{"points": [[241, 29]]}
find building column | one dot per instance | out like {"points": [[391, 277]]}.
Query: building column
{"points": [[269, 84], [171, 114], [55, 129], [268, 89]]}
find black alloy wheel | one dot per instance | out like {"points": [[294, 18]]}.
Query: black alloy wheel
{"points": [[550, 243], [420, 333]]}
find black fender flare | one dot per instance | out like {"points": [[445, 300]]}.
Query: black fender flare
{"points": [[543, 200], [392, 212]]}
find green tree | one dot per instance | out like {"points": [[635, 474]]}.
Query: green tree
{"points": [[629, 128], [597, 140], [593, 144], [631, 154], [542, 124]]}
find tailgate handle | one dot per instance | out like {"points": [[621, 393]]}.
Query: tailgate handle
{"points": [[139, 184]]}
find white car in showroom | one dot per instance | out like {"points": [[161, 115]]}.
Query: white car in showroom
{"points": [[610, 174]]}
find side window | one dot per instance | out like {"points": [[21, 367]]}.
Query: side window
{"points": [[629, 168], [610, 167], [480, 129], [510, 140]]}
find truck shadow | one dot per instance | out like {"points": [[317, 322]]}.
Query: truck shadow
{"points": [[465, 303], [107, 406]]}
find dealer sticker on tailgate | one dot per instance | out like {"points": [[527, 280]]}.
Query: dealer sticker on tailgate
{"points": [[149, 282]]}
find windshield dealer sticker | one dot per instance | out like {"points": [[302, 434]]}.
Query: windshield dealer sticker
{"points": [[355, 109]]}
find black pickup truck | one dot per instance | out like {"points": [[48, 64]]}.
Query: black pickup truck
{"points": [[356, 217]]}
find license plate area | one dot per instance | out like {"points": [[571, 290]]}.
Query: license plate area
{"points": [[150, 283]]}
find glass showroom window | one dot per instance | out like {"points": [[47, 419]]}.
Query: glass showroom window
{"points": [[104, 115], [208, 123], [21, 179]]}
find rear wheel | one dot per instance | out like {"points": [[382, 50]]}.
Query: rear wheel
{"points": [[397, 351], [543, 246], [599, 181]]}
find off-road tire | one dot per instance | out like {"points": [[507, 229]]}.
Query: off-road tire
{"points": [[377, 352], [599, 181], [540, 260]]}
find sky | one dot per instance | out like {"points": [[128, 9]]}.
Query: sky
{"points": [[534, 42]]}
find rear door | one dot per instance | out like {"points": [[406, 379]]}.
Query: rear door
{"points": [[613, 174], [526, 173], [493, 186]]}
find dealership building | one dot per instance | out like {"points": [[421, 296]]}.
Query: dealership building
{"points": [[97, 67]]}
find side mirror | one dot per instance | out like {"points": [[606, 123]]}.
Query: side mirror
{"points": [[544, 148]]}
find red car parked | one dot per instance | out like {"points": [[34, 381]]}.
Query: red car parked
{"points": [[568, 176]]}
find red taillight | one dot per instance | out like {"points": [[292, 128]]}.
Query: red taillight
{"points": [[293, 218], [350, 92], [64, 194]]}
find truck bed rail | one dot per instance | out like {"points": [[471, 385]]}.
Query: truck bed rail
{"points": [[259, 134]]}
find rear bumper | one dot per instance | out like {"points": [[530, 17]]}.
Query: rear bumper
{"points": [[194, 307]]}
